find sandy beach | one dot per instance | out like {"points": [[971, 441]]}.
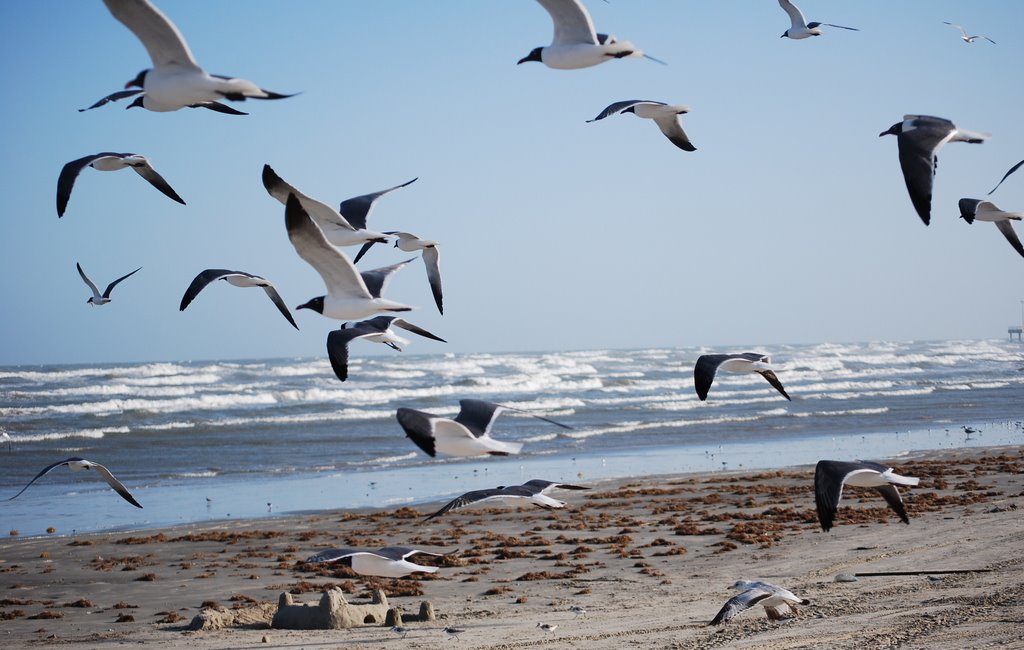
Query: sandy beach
{"points": [[651, 560]]}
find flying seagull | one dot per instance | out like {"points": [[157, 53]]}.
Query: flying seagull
{"points": [[410, 243], [349, 295], [377, 330], [1007, 175], [534, 492], [238, 279], [77, 464], [388, 562], [967, 38], [773, 598], [109, 161], [175, 80], [709, 364], [976, 209], [830, 475], [97, 299], [575, 43], [800, 27], [665, 116], [919, 138], [468, 434], [124, 94]]}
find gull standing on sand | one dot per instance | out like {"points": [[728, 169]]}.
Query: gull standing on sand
{"points": [[773, 598], [831, 475], [76, 464], [108, 161], [919, 138], [535, 491], [376, 330], [664, 115], [709, 364], [98, 300], [967, 38], [800, 28], [575, 43], [175, 80], [976, 209], [410, 243], [387, 562], [238, 279]]}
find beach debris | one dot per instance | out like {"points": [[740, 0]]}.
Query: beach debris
{"points": [[845, 577], [876, 574]]}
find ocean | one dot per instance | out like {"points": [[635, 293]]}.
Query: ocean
{"points": [[211, 440]]}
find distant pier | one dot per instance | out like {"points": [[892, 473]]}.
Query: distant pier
{"points": [[1014, 329]]}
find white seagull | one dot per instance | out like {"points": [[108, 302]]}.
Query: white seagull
{"points": [[97, 299], [411, 243], [175, 80], [388, 562], [919, 138], [238, 279], [773, 598], [349, 294], [831, 475], [534, 491], [468, 434], [664, 115], [109, 161], [123, 94], [77, 464], [709, 364], [1006, 175], [800, 27], [967, 38], [376, 330], [575, 43], [976, 209]]}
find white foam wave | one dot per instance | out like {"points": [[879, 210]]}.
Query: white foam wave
{"points": [[865, 411], [540, 438], [61, 435], [384, 460]]}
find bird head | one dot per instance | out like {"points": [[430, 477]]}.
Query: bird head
{"points": [[534, 55], [316, 304], [139, 80], [895, 129]]}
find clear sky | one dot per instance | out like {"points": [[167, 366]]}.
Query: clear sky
{"points": [[789, 224]]}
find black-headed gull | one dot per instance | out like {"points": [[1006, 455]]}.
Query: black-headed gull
{"points": [[411, 243], [76, 464], [238, 279], [176, 80], [98, 299], [109, 161], [709, 364], [772, 597], [967, 38], [831, 475], [387, 562], [976, 209], [664, 115], [377, 330], [800, 28], [533, 491]]}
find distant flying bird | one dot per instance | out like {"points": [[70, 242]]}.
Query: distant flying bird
{"points": [[800, 27], [976, 209], [238, 279], [388, 562], [534, 492], [919, 138], [97, 299], [377, 330], [108, 161], [665, 116], [575, 43], [468, 434], [124, 94], [1006, 175], [966, 38], [77, 464], [831, 475], [773, 598], [348, 295], [709, 364], [175, 80]]}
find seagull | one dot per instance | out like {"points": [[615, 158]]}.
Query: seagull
{"points": [[709, 364], [377, 330], [771, 597], [175, 80], [830, 475], [665, 116], [98, 300], [535, 491], [410, 243], [976, 209], [109, 161], [76, 464], [800, 27], [349, 294], [238, 279], [387, 562], [578, 610], [969, 39], [468, 434], [1007, 175], [124, 94], [575, 43], [547, 627], [337, 229], [919, 138]]}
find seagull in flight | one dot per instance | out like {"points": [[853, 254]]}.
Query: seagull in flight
{"points": [[124, 94], [919, 138], [575, 43], [410, 243], [800, 28], [709, 364], [238, 279], [97, 299], [831, 475], [967, 38], [534, 491], [388, 562], [773, 598], [377, 330], [176, 80], [109, 161], [77, 464], [976, 209], [664, 115]]}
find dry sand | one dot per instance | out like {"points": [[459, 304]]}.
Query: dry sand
{"points": [[651, 560]]}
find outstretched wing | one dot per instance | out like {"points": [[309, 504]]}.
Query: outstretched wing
{"points": [[110, 287], [1007, 175], [774, 381], [158, 34], [572, 23], [357, 209], [146, 171], [469, 498], [88, 281], [738, 604], [406, 325], [892, 497], [42, 473], [114, 483]]}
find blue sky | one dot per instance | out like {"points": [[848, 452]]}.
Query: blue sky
{"points": [[789, 224]]}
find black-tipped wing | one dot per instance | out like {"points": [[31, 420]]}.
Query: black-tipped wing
{"points": [[774, 381], [217, 107], [199, 283], [275, 298], [419, 427], [618, 107], [673, 130], [66, 180], [357, 209], [110, 287], [541, 485], [1007, 175], [333, 555], [432, 260], [337, 347], [338, 273], [321, 213], [377, 279], [738, 604], [1006, 227], [829, 476], [406, 325], [398, 553], [892, 497], [112, 97], [704, 372], [114, 483], [477, 415], [157, 181], [88, 281], [476, 496], [44, 472], [968, 208], [813, 25], [918, 158]]}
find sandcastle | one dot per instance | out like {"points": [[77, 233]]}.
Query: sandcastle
{"points": [[333, 612]]}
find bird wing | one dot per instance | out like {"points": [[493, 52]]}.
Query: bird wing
{"points": [[339, 275], [962, 30], [1006, 175], [796, 17], [377, 279], [333, 555], [704, 372], [146, 171], [357, 209], [432, 260], [112, 97], [573, 24], [1006, 227], [158, 34], [92, 285], [741, 602], [673, 130], [917, 160], [813, 25], [114, 483], [969, 208], [337, 347], [476, 496], [66, 180], [543, 486], [419, 427], [275, 298], [478, 415], [322, 213], [110, 287], [217, 107], [199, 283], [397, 553], [618, 107], [774, 381], [43, 472], [829, 476], [892, 497], [406, 325]]}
